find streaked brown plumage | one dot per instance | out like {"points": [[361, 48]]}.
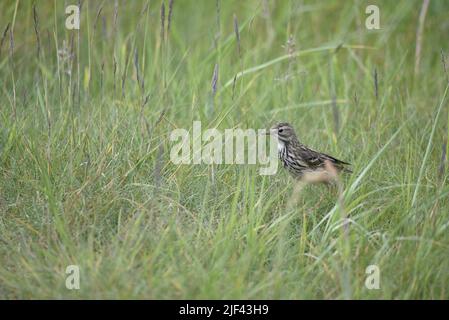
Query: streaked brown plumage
{"points": [[300, 160]]}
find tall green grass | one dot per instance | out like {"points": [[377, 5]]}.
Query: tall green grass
{"points": [[86, 179]]}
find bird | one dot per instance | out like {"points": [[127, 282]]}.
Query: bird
{"points": [[302, 162]]}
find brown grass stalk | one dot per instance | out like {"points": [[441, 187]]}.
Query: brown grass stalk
{"points": [[419, 34]]}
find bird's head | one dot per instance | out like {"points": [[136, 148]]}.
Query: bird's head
{"points": [[283, 131]]}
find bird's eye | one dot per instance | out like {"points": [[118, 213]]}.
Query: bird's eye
{"points": [[280, 130]]}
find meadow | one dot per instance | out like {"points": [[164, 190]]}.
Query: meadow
{"points": [[85, 171]]}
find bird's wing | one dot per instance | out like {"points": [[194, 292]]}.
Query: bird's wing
{"points": [[335, 160], [315, 159], [311, 158]]}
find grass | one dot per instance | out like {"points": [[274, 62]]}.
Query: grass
{"points": [[86, 178]]}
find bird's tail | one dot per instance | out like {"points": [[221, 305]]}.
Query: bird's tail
{"points": [[346, 170]]}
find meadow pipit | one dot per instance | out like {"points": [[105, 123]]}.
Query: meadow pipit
{"points": [[303, 162]]}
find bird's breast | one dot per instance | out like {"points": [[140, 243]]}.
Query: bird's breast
{"points": [[281, 146]]}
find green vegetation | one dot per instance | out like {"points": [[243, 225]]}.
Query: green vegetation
{"points": [[86, 178]]}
